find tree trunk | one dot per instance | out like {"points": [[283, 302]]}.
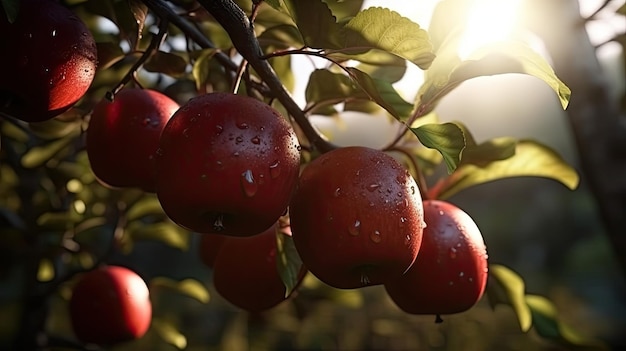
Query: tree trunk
{"points": [[599, 129]]}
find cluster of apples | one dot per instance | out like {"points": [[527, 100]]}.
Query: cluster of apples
{"points": [[228, 166]]}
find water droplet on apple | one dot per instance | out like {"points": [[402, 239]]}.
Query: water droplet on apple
{"points": [[159, 152], [218, 129], [373, 187], [470, 279], [451, 283], [219, 165], [375, 236], [238, 140], [299, 148], [242, 125], [236, 154], [337, 192], [203, 177], [275, 170], [218, 225], [412, 190], [407, 239], [186, 132], [355, 228], [461, 274], [248, 184], [371, 204], [54, 33], [440, 212], [452, 252], [256, 140]]}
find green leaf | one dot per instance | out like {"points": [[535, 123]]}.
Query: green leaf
{"points": [[344, 8], [316, 23], [546, 322], [506, 287], [383, 93], [146, 206], [41, 154], [166, 232], [11, 8], [167, 63], [202, 68], [123, 14], [169, 333], [325, 86], [288, 261], [448, 71], [381, 29], [531, 159], [447, 138], [389, 73], [282, 67], [282, 36], [45, 273], [491, 150], [188, 287]]}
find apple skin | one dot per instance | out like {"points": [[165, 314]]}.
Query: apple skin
{"points": [[209, 246], [245, 272], [48, 60], [450, 272], [123, 136], [110, 305], [227, 164], [356, 217]]}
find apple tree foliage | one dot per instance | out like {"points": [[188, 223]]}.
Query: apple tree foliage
{"points": [[57, 220]]}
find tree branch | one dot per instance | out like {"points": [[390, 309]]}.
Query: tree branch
{"points": [[232, 18]]}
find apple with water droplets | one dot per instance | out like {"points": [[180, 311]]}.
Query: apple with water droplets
{"points": [[245, 271], [356, 217], [48, 60], [123, 137], [109, 305], [227, 164], [450, 272]]}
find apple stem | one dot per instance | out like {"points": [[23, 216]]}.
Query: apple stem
{"points": [[365, 280], [438, 319]]}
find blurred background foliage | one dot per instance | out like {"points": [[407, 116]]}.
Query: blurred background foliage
{"points": [[57, 220]]}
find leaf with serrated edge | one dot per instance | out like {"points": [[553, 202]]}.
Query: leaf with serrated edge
{"points": [[188, 287], [448, 71], [167, 63], [377, 28], [288, 263], [316, 23], [447, 138], [531, 159], [512, 288]]}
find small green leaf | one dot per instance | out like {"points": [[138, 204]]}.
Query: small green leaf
{"points": [[381, 29], [57, 220], [506, 287], [167, 63], [202, 66], [288, 261], [188, 287], [545, 321], [325, 86], [146, 206], [166, 232], [447, 138], [282, 36], [390, 73], [531, 159], [491, 150], [11, 8], [383, 93], [41, 154], [282, 67], [169, 333], [45, 273]]}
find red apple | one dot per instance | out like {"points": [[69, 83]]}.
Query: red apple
{"points": [[210, 245], [356, 217], [123, 136], [450, 272], [227, 164], [110, 305], [245, 271], [48, 60]]}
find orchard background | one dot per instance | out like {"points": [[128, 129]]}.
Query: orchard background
{"points": [[557, 255]]}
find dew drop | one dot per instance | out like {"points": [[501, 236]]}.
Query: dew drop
{"points": [[412, 190], [299, 148], [452, 252], [186, 132], [54, 33], [236, 154], [218, 129], [248, 184], [375, 236], [440, 212], [219, 165], [256, 140], [203, 177], [373, 187], [242, 125], [461, 274], [337, 192], [355, 228], [470, 279], [451, 283], [159, 152], [238, 139], [275, 170]]}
